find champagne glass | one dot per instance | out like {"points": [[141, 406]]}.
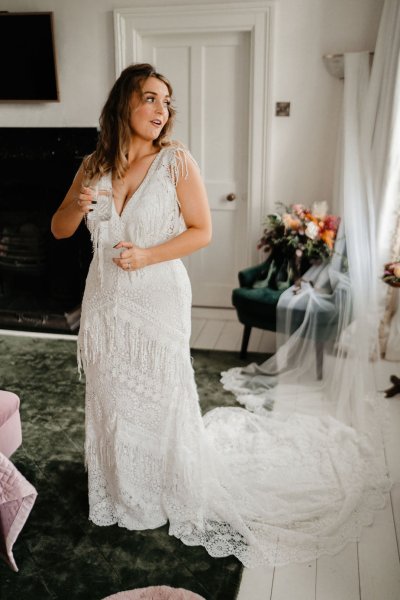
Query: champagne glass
{"points": [[102, 205]]}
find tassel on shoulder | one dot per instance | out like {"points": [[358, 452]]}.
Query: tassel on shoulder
{"points": [[178, 158]]}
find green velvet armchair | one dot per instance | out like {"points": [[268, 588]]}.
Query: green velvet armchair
{"points": [[257, 297]]}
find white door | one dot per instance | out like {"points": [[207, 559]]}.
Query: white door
{"points": [[210, 76], [217, 58]]}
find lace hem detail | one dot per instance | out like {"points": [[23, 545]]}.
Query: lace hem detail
{"points": [[232, 381]]}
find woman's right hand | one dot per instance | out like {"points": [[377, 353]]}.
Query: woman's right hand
{"points": [[76, 204], [84, 200]]}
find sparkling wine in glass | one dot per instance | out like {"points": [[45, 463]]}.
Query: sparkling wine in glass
{"points": [[102, 205]]}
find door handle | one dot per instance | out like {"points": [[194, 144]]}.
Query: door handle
{"points": [[231, 197]]}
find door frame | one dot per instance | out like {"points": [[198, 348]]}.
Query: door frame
{"points": [[132, 24]]}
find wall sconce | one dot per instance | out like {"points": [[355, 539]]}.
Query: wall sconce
{"points": [[334, 64]]}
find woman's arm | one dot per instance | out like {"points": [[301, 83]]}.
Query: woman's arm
{"points": [[192, 197], [71, 211]]}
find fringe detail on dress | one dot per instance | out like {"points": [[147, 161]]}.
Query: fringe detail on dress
{"points": [[178, 163], [106, 334], [97, 230], [97, 236], [79, 360]]}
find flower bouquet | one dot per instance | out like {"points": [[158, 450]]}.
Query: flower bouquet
{"points": [[300, 232], [301, 236], [391, 274]]}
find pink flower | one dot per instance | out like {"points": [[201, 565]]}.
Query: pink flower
{"points": [[298, 209], [331, 222]]}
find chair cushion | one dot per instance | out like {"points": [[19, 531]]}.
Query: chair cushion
{"points": [[324, 326], [259, 301], [256, 307], [9, 405]]}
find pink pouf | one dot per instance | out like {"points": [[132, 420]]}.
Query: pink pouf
{"points": [[162, 592], [10, 423], [17, 497]]}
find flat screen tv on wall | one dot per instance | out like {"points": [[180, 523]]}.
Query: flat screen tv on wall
{"points": [[27, 57]]}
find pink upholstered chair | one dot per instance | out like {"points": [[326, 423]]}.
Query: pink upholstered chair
{"points": [[17, 495], [10, 423]]}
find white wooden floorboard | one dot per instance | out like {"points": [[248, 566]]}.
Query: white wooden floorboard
{"points": [[391, 430], [39, 334], [267, 342], [256, 584], [295, 582], [379, 559], [197, 326], [337, 576], [384, 369], [395, 497], [230, 336], [209, 335], [255, 339], [223, 314]]}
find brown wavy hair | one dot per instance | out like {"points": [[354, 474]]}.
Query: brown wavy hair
{"points": [[115, 133]]}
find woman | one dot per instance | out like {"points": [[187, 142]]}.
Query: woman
{"points": [[135, 326], [266, 488]]}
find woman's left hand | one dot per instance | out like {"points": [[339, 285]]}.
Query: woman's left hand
{"points": [[132, 257]]}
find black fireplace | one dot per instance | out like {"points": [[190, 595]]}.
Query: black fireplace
{"points": [[41, 278]]}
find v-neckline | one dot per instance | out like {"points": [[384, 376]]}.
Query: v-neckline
{"points": [[140, 186]]}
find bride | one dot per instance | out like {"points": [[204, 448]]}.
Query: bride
{"points": [[268, 487]]}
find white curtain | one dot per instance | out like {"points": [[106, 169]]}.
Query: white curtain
{"points": [[382, 121], [344, 303], [328, 333]]}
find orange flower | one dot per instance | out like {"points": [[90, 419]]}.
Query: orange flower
{"points": [[311, 217], [291, 222], [328, 236]]}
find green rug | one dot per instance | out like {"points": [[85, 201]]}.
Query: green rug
{"points": [[60, 554]]}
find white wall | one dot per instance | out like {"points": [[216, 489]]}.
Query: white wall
{"points": [[302, 146]]}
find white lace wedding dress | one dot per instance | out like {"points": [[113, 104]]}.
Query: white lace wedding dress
{"points": [[267, 488]]}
